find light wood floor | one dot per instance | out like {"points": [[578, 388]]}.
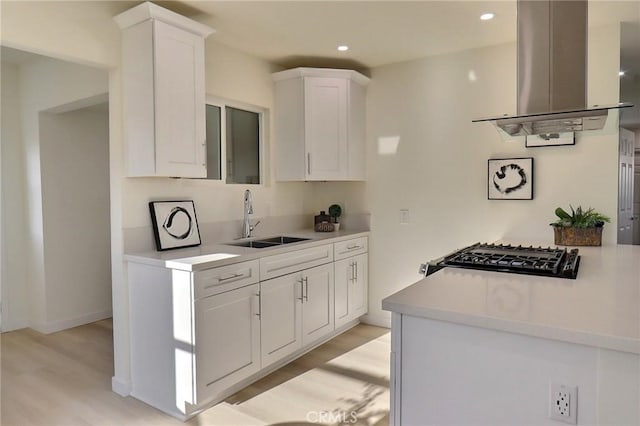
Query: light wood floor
{"points": [[65, 379]]}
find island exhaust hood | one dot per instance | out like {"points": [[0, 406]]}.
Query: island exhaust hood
{"points": [[552, 71]]}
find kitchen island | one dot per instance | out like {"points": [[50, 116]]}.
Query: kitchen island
{"points": [[483, 348]]}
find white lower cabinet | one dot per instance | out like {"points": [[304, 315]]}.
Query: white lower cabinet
{"points": [[197, 337], [227, 329], [296, 310], [351, 283]]}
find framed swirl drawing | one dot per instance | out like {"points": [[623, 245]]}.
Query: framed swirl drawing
{"points": [[510, 179], [175, 224]]}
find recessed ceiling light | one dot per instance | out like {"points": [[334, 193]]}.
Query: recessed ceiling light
{"points": [[487, 16], [343, 48], [621, 73]]}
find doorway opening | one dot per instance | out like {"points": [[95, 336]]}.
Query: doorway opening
{"points": [[629, 145], [55, 193]]}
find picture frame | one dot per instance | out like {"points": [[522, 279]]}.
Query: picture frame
{"points": [[510, 179], [175, 224], [550, 139]]}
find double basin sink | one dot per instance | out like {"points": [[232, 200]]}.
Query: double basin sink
{"points": [[268, 242]]}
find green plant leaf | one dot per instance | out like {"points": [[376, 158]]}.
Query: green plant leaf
{"points": [[580, 218], [562, 214]]}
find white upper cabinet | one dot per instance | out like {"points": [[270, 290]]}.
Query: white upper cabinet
{"points": [[320, 124], [163, 92]]}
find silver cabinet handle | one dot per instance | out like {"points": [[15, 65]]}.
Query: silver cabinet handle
{"points": [[353, 247], [301, 281], [259, 307], [353, 276], [230, 277], [308, 163], [355, 270], [306, 287]]}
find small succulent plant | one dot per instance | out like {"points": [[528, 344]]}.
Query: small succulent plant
{"points": [[580, 218], [335, 211]]}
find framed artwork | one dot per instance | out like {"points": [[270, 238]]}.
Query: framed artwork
{"points": [[174, 224], [510, 179], [550, 139]]}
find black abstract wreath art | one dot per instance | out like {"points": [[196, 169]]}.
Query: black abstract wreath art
{"points": [[168, 223], [502, 180], [174, 224], [510, 179]]}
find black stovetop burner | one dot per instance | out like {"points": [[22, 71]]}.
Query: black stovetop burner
{"points": [[548, 262]]}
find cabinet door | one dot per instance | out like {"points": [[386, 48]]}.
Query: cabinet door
{"points": [[325, 128], [317, 303], [358, 294], [343, 277], [351, 283], [179, 102], [227, 340], [280, 310], [357, 146]]}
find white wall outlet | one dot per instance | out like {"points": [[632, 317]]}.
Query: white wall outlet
{"points": [[404, 216], [563, 403]]}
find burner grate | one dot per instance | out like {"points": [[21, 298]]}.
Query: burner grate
{"points": [[554, 262]]}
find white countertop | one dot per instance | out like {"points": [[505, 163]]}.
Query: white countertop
{"points": [[220, 254], [600, 308]]}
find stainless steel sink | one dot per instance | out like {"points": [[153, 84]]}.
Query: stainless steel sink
{"points": [[253, 244], [283, 240], [268, 242]]}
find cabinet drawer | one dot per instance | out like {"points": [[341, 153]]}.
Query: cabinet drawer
{"points": [[218, 280], [349, 248], [286, 263]]}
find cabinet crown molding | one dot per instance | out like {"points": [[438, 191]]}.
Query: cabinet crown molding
{"points": [[148, 10], [321, 72]]}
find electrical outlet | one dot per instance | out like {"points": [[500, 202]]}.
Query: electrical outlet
{"points": [[563, 403]]}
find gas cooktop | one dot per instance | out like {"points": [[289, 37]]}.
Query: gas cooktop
{"points": [[548, 262]]}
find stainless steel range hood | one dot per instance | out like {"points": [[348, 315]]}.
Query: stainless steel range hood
{"points": [[552, 71]]}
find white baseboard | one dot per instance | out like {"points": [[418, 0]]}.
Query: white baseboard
{"points": [[121, 387], [11, 326], [49, 327], [377, 320]]}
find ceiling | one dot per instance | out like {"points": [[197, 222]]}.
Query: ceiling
{"points": [[377, 32], [295, 33], [306, 33]]}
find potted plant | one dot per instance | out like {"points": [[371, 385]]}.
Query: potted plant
{"points": [[580, 228], [335, 211]]}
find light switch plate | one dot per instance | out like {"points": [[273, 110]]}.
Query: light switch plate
{"points": [[404, 216]]}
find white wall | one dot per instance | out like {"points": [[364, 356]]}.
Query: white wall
{"points": [[74, 150], [439, 170], [14, 289]]}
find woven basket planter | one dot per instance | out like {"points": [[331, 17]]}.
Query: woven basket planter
{"points": [[567, 236]]}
